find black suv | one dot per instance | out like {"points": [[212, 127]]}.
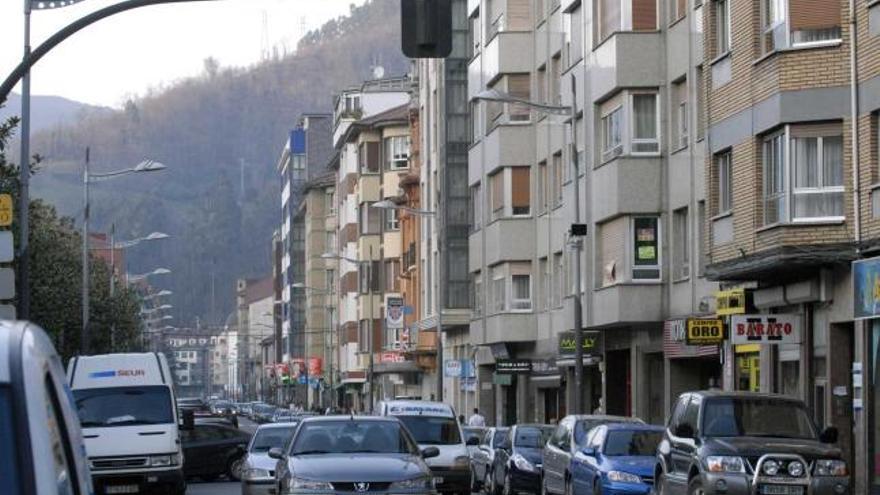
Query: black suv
{"points": [[739, 443]]}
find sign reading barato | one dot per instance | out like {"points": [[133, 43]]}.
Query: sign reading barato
{"points": [[765, 329], [704, 331]]}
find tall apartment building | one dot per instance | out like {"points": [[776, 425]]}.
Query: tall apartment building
{"points": [[793, 98], [370, 127], [304, 157], [634, 67]]}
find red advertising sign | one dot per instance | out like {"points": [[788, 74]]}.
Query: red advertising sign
{"points": [[765, 329], [316, 366], [392, 357]]}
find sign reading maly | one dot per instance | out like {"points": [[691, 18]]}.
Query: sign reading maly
{"points": [[765, 329]]}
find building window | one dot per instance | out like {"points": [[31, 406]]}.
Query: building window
{"points": [[540, 11], [330, 281], [330, 241], [558, 279], [701, 120], [817, 163], [476, 207], [681, 262], [397, 153], [370, 219], [541, 295], [646, 248], [519, 86], [680, 113], [330, 201], [722, 26], [724, 168], [814, 21], [575, 38], [677, 10], [392, 221], [556, 80], [521, 292], [478, 294], [541, 80], [701, 238], [392, 275], [645, 123], [558, 179], [496, 194], [510, 192], [541, 187], [476, 112], [368, 157], [774, 180], [499, 295], [612, 133], [474, 34]]}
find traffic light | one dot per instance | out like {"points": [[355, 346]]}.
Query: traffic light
{"points": [[426, 28]]}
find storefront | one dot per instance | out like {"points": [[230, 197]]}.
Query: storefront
{"points": [[592, 351], [549, 387], [689, 367]]}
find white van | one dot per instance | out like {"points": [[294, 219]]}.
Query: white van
{"points": [[128, 414], [41, 446], [434, 424]]}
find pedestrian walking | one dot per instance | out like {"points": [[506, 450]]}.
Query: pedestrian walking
{"points": [[477, 419]]}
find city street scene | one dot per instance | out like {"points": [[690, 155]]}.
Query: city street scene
{"points": [[458, 247]]}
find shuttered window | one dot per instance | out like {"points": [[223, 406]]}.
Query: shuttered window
{"points": [[814, 20], [519, 86], [520, 200], [496, 182], [519, 15], [644, 15], [612, 249], [609, 18]]}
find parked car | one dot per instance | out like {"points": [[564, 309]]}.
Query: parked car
{"points": [[741, 443], [484, 457], [362, 454], [222, 407], [617, 459], [41, 444], [282, 415], [258, 474], [519, 459], [473, 435], [570, 436], [211, 450]]}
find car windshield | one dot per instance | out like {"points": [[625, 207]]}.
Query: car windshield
{"points": [[628, 442], [123, 406], [756, 417], [500, 435], [473, 433], [533, 437], [432, 430], [584, 426], [8, 470], [269, 438], [352, 436]]}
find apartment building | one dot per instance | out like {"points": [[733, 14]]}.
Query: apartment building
{"points": [[318, 213], [255, 302], [632, 67], [368, 239], [793, 93], [303, 158]]}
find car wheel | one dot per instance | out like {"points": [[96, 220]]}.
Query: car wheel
{"points": [[235, 467], [695, 487]]}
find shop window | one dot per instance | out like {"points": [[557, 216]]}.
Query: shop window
{"points": [[646, 248], [812, 163]]}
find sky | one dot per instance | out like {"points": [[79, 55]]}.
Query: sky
{"points": [[129, 53]]}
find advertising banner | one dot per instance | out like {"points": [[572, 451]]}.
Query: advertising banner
{"points": [[592, 344], [765, 329], [316, 366], [394, 313], [704, 331], [513, 366], [452, 368], [866, 288]]}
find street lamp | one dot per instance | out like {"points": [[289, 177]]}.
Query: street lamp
{"points": [[155, 236], [142, 167], [157, 308], [142, 276], [387, 204], [577, 229], [161, 293]]}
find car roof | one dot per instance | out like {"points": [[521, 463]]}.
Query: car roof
{"points": [[533, 425], [344, 417], [633, 427], [275, 426], [743, 395], [603, 417]]}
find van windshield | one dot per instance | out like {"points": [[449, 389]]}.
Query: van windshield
{"points": [[123, 406], [432, 430]]}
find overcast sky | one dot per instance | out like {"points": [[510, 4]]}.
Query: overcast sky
{"points": [[128, 53]]}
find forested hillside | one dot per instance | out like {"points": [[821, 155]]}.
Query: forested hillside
{"points": [[216, 132]]}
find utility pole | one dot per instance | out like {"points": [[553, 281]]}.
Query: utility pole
{"points": [[577, 244], [24, 301], [84, 335], [113, 285]]}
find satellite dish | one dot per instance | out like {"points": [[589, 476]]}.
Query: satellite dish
{"points": [[378, 72]]}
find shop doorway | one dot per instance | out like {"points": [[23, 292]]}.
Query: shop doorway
{"points": [[618, 383], [654, 410], [509, 416], [841, 350], [554, 404], [748, 367]]}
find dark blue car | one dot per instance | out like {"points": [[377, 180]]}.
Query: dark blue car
{"points": [[617, 459]]}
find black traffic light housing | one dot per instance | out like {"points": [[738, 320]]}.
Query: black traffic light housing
{"points": [[426, 28]]}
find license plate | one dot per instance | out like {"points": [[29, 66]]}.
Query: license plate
{"points": [[781, 490], [121, 489], [438, 480]]}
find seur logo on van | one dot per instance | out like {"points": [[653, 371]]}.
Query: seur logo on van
{"points": [[113, 373]]}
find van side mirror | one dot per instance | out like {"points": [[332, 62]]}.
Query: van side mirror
{"points": [[684, 430], [426, 28], [429, 452], [189, 420], [473, 442], [589, 451], [829, 435], [276, 453]]}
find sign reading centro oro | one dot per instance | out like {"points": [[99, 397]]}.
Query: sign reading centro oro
{"points": [[704, 331], [592, 344]]}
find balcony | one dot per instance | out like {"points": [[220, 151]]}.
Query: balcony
{"points": [[612, 305], [509, 327], [509, 239], [507, 145], [509, 52], [627, 60], [626, 185]]}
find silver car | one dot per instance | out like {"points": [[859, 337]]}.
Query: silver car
{"points": [[359, 454], [258, 473]]}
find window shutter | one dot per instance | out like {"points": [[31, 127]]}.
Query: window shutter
{"points": [[682, 8], [520, 187], [610, 17], [373, 156], [814, 14], [644, 15], [613, 248], [497, 181], [518, 15]]}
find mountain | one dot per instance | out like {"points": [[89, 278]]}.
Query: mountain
{"points": [[220, 134], [47, 111]]}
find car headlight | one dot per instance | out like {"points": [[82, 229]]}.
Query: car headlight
{"points": [[522, 463], [796, 469], [830, 467], [770, 467], [164, 460], [302, 484], [254, 474], [420, 483], [622, 477], [725, 464], [462, 461]]}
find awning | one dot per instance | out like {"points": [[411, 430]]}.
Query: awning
{"points": [[588, 361], [546, 381], [353, 381]]}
